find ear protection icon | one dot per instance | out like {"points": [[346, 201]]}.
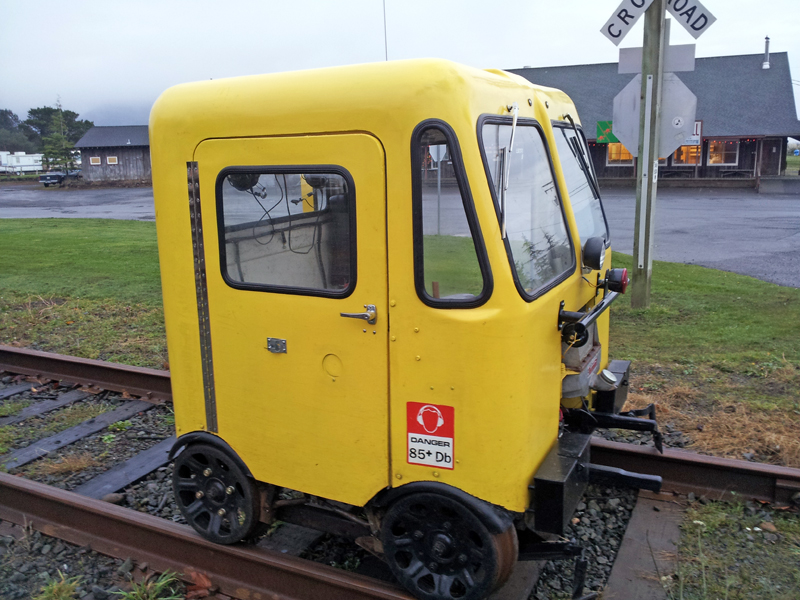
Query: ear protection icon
{"points": [[433, 409]]}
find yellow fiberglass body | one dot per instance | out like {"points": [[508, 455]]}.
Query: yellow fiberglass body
{"points": [[286, 200]]}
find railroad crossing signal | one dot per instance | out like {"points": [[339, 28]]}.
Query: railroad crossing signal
{"points": [[647, 134], [624, 18], [694, 17], [675, 123]]}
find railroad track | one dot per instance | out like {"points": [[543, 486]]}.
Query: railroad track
{"points": [[252, 572]]}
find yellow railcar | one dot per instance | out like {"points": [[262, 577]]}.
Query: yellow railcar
{"points": [[383, 285]]}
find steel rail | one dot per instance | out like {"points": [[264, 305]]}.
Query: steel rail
{"points": [[149, 384], [256, 573], [242, 572], [681, 471], [714, 477]]}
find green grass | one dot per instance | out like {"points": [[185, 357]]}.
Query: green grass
{"points": [[53, 423], [5, 177], [12, 407], [91, 288], [792, 164], [699, 314], [723, 553], [732, 337], [85, 287], [80, 258], [60, 589], [451, 261]]}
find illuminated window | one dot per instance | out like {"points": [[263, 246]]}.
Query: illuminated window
{"points": [[687, 155], [95, 160], [618, 156], [723, 153], [111, 160]]}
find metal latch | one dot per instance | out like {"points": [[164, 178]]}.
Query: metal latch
{"points": [[370, 316], [276, 345]]}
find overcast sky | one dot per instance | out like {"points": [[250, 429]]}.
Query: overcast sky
{"points": [[110, 60]]}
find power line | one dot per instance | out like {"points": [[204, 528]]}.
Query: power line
{"points": [[385, 40]]}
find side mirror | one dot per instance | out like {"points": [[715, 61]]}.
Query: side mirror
{"points": [[594, 253]]}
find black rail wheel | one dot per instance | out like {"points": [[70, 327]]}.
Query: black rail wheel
{"points": [[214, 495], [440, 550]]}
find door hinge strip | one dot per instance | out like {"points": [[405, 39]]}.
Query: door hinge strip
{"points": [[201, 288]]}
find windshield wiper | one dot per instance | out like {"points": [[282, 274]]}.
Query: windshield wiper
{"points": [[578, 148], [505, 165]]}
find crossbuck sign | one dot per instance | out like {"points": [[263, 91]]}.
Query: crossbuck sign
{"points": [[624, 18], [694, 17]]}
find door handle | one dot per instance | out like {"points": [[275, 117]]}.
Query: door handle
{"points": [[370, 316]]}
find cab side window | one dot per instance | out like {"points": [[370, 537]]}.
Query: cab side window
{"points": [[287, 230], [451, 269]]}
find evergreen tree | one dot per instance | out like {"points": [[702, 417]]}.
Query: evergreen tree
{"points": [[39, 124], [11, 137], [57, 147]]}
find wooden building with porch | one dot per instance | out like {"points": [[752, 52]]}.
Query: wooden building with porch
{"points": [[119, 153], [745, 105]]}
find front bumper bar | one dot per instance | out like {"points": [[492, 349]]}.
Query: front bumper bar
{"points": [[561, 481]]}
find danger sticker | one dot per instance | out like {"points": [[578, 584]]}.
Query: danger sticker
{"points": [[430, 434]]}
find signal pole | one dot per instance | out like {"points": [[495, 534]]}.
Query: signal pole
{"points": [[655, 40]]}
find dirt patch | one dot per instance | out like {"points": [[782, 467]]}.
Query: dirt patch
{"points": [[718, 413]]}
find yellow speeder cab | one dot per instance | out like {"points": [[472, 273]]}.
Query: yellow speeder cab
{"points": [[385, 290]]}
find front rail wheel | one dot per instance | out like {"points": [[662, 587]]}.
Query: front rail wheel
{"points": [[214, 495], [440, 550]]}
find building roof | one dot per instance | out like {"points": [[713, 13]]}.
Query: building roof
{"points": [[735, 96], [112, 137]]}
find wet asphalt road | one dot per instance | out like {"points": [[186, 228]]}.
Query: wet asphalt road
{"points": [[29, 201], [734, 230]]}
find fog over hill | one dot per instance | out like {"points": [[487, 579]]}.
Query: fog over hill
{"points": [[117, 114]]}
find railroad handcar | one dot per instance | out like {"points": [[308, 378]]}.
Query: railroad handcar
{"points": [[385, 290]]}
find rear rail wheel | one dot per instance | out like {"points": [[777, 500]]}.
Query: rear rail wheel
{"points": [[215, 497], [440, 550]]}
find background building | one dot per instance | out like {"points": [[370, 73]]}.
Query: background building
{"points": [[115, 154], [747, 112]]}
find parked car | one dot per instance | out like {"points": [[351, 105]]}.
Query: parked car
{"points": [[57, 177]]}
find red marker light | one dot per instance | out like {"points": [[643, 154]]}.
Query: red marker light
{"points": [[617, 280]]}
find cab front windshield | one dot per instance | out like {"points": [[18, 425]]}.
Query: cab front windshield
{"points": [[581, 187], [538, 244]]}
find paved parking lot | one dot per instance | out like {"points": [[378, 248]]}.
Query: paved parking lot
{"points": [[734, 230], [28, 201]]}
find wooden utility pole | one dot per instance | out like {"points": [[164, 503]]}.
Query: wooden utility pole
{"points": [[655, 39]]}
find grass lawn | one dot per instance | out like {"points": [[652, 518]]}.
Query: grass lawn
{"points": [[451, 261], [717, 352], [86, 287], [792, 164]]}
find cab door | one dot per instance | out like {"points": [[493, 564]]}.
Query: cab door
{"points": [[294, 231]]}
